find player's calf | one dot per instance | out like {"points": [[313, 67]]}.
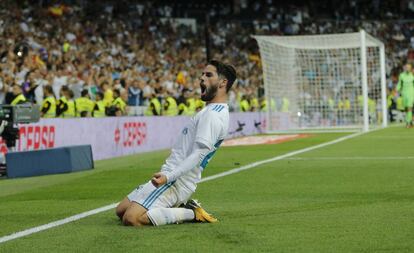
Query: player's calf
{"points": [[135, 220]]}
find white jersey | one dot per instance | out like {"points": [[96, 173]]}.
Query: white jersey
{"points": [[208, 127]]}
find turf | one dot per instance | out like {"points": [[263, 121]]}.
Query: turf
{"points": [[354, 196]]}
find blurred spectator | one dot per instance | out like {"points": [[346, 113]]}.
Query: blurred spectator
{"points": [[103, 46]]}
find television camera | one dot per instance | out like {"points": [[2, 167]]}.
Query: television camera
{"points": [[11, 115]]}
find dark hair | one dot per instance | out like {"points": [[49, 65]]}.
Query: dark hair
{"points": [[64, 88], [100, 94], [84, 93], [70, 94], [117, 92], [49, 89], [225, 70]]}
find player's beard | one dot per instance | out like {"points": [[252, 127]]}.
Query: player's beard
{"points": [[208, 93]]}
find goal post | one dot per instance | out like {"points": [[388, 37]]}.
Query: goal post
{"points": [[325, 82]]}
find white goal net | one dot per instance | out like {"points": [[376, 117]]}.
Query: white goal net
{"points": [[323, 81]]}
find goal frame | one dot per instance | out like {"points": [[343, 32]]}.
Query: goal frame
{"points": [[361, 40]]}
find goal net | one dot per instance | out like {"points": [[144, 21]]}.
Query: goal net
{"points": [[323, 81]]}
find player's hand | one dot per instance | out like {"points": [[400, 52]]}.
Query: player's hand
{"points": [[158, 179]]}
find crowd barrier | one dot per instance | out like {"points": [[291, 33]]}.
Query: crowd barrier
{"points": [[118, 136]]}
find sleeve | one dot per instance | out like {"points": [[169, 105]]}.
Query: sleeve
{"points": [[399, 84], [192, 161], [208, 130]]}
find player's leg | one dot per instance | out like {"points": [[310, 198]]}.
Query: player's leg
{"points": [[162, 207], [148, 197], [122, 207], [150, 205], [163, 216], [157, 206], [135, 215], [126, 202], [409, 116], [408, 101], [163, 210], [192, 211], [129, 202]]}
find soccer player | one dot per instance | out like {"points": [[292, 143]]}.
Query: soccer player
{"points": [[161, 200], [406, 89]]}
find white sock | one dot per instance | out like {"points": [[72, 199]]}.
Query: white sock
{"points": [[163, 216]]}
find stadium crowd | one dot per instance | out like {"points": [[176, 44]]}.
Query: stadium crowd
{"points": [[106, 58]]}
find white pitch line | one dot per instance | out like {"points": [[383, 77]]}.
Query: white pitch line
{"points": [[219, 175], [351, 158], [56, 223], [255, 164]]}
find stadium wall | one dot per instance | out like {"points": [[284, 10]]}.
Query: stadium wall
{"points": [[118, 136]]}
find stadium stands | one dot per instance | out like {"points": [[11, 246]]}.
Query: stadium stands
{"points": [[133, 48]]}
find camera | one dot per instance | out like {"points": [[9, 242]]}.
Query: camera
{"points": [[13, 115]]}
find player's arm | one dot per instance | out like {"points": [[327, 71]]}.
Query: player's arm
{"points": [[192, 161], [207, 134], [399, 84]]}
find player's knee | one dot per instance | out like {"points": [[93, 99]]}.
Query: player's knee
{"points": [[143, 219], [130, 219], [121, 208]]}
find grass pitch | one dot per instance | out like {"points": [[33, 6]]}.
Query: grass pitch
{"points": [[354, 196]]}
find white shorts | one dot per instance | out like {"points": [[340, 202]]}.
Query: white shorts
{"points": [[168, 195]]}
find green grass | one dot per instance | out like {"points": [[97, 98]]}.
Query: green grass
{"points": [[311, 204]]}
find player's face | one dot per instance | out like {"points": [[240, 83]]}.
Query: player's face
{"points": [[408, 67], [209, 81]]}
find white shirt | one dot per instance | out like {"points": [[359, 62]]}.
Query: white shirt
{"points": [[58, 82], [207, 128]]}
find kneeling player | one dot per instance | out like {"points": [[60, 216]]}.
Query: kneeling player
{"points": [[165, 198]]}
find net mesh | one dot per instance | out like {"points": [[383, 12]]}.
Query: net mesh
{"points": [[316, 81]]}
